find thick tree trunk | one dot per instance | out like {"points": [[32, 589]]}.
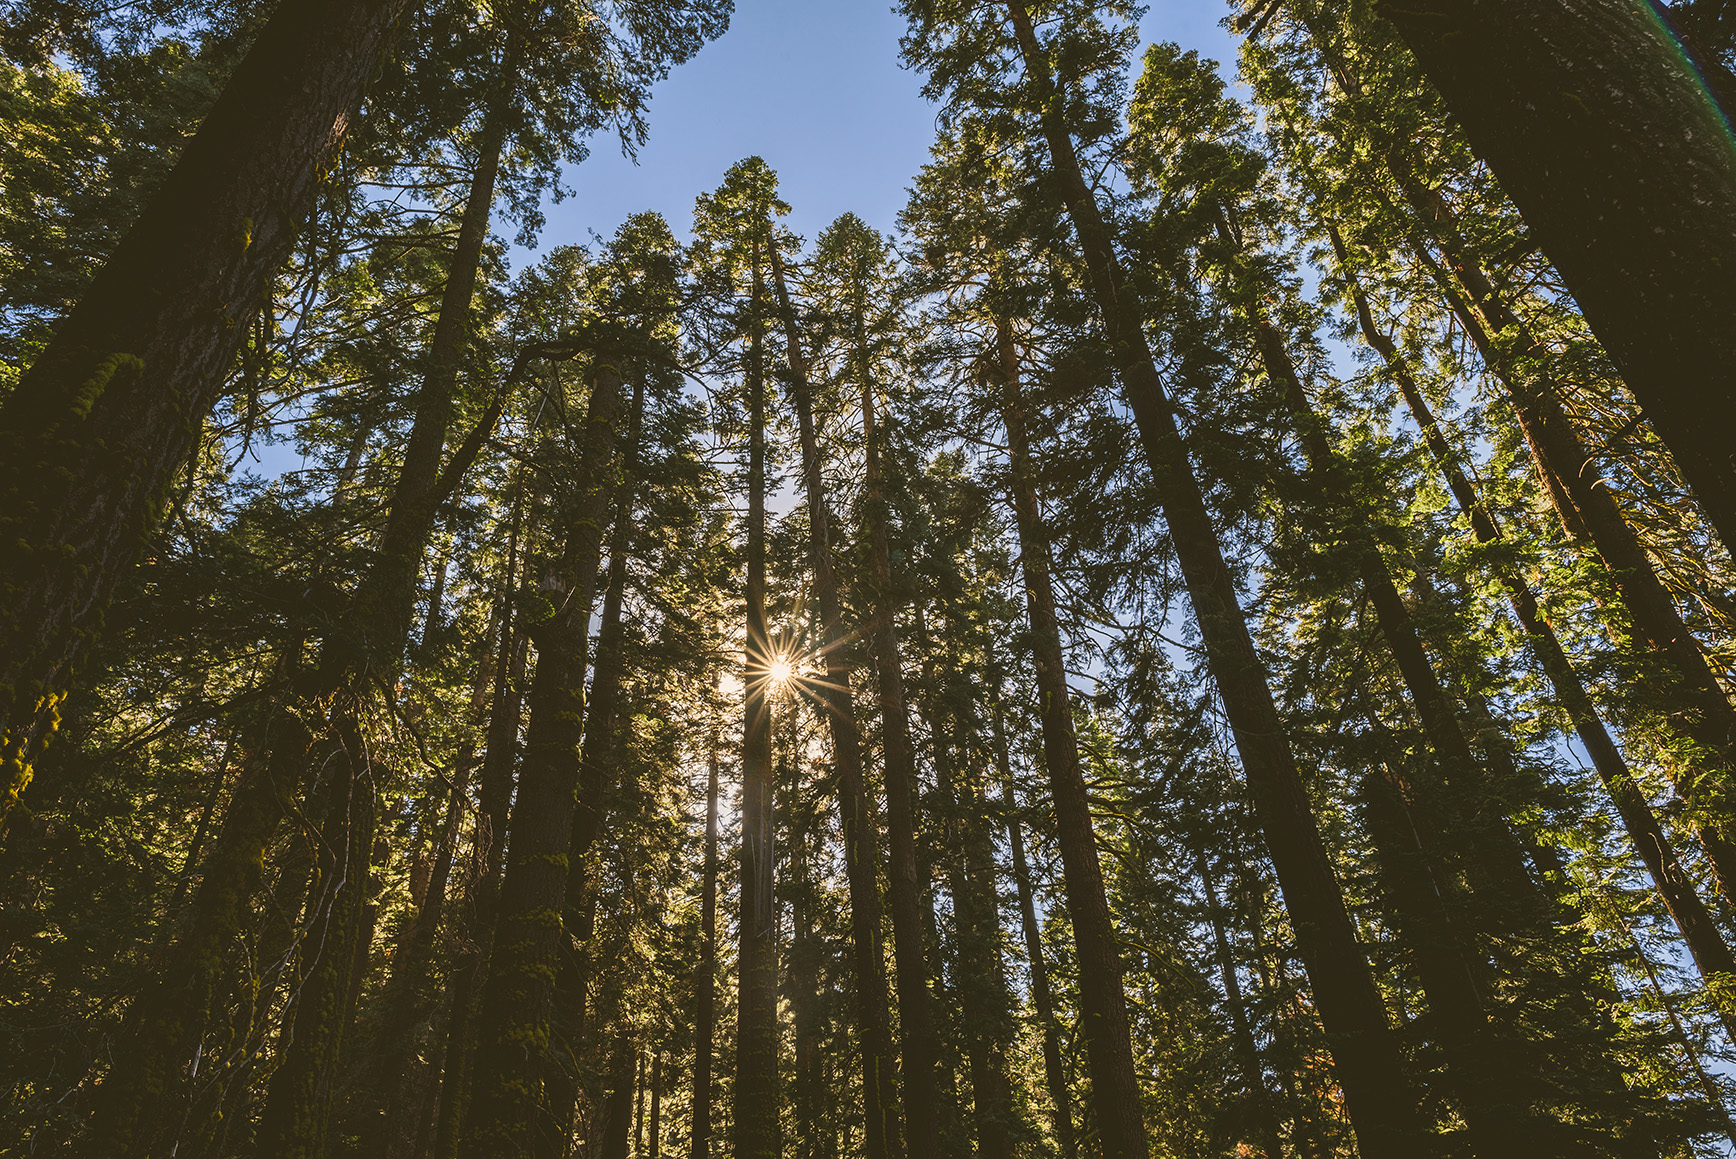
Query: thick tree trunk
{"points": [[1674, 884], [100, 425], [1377, 1098], [513, 1040], [756, 1127], [1599, 129], [705, 984], [904, 886], [1115, 1094], [1674, 674], [598, 760], [618, 1100], [861, 848]]}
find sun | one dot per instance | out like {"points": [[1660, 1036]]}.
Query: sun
{"points": [[780, 671]]}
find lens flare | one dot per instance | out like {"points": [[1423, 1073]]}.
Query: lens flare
{"points": [[779, 671]]}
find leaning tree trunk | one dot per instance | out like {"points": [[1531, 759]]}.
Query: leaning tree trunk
{"points": [[1377, 1098], [512, 1043], [1675, 674], [96, 431], [756, 1128], [1115, 1094], [1674, 883], [861, 852], [1600, 130]]}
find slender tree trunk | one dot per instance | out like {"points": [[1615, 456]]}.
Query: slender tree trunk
{"points": [[298, 1099], [656, 1149], [138, 1105], [1054, 1074], [1377, 1098], [1116, 1100], [98, 428], [1675, 885], [904, 886], [985, 1002], [861, 854], [1599, 129], [618, 1100], [494, 800], [1247, 1050], [757, 1134], [705, 984], [512, 1046], [639, 1111]]}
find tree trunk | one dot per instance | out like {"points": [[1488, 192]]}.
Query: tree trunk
{"points": [[904, 886], [1054, 1074], [1115, 1094], [985, 1002], [1674, 884], [97, 429], [1599, 129], [1247, 1050], [1377, 1098], [598, 760], [513, 1043], [757, 1134], [138, 1104], [705, 985], [298, 1099], [656, 1148], [861, 854]]}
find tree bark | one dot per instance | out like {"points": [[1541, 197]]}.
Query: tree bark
{"points": [[756, 1127], [97, 429], [904, 886], [1042, 997], [1115, 1094], [1378, 1101], [861, 852], [513, 1044], [1599, 129], [1712, 954]]}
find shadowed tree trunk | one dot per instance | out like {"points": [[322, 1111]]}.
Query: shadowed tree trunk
{"points": [[512, 1043], [598, 760], [1115, 1095], [1599, 129], [1054, 1074], [904, 887], [97, 429], [1674, 884], [1380, 1105]]}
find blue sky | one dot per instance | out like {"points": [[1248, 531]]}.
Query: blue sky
{"points": [[814, 87]]}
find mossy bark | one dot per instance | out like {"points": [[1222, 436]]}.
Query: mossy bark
{"points": [[109, 414]]}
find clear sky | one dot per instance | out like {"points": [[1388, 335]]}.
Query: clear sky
{"points": [[814, 87]]}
